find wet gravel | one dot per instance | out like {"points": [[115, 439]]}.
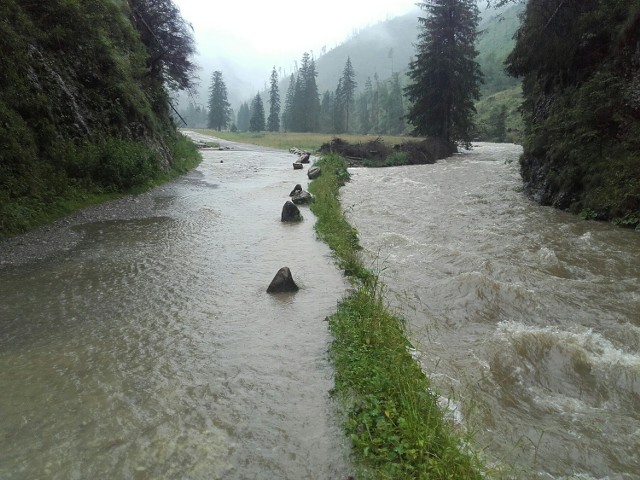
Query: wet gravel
{"points": [[60, 236], [57, 237]]}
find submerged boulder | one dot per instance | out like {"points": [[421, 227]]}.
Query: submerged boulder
{"points": [[297, 166], [282, 282], [290, 213]]}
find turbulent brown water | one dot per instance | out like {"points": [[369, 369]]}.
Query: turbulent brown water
{"points": [[146, 347], [527, 319]]}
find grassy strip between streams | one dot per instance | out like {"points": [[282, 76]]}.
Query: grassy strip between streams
{"points": [[393, 419]]}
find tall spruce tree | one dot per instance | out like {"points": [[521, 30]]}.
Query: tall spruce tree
{"points": [[394, 106], [306, 99], [244, 116], [338, 109], [219, 107], [287, 115], [365, 101], [444, 75], [256, 124], [273, 122], [347, 90], [326, 112]]}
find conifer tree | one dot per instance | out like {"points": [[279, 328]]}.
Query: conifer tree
{"points": [[364, 107], [306, 99], [347, 88], [257, 123], [444, 75], [312, 99], [287, 115], [244, 117], [219, 111], [273, 122], [326, 112], [338, 109], [394, 107]]}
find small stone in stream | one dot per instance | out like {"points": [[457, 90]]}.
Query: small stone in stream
{"points": [[282, 282], [296, 189], [305, 158], [290, 213]]}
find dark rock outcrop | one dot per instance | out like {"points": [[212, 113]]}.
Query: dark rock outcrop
{"points": [[282, 282], [296, 189]]}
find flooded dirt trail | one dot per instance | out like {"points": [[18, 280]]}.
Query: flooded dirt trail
{"points": [[137, 339]]}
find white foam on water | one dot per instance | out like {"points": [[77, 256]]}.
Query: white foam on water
{"points": [[599, 350], [452, 410]]}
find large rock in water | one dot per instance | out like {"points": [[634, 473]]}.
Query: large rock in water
{"points": [[282, 282], [302, 197], [290, 213]]}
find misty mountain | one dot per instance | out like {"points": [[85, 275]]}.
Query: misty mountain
{"points": [[388, 47], [383, 49]]}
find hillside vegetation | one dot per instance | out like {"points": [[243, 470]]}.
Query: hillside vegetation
{"points": [[580, 62], [81, 112]]}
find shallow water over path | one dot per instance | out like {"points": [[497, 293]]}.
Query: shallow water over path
{"points": [[528, 318], [144, 345]]}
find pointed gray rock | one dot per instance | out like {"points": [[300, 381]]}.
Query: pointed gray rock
{"points": [[282, 282], [290, 213]]}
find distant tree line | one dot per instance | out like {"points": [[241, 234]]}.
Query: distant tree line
{"points": [[436, 98]]}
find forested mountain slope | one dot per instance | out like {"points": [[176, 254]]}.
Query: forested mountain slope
{"points": [[389, 46], [83, 104]]}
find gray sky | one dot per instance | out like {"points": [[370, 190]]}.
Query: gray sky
{"points": [[278, 32]]}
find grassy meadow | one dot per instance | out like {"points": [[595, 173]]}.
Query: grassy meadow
{"points": [[305, 141]]}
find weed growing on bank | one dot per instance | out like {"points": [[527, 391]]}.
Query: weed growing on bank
{"points": [[392, 415]]}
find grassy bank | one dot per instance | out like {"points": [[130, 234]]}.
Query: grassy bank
{"points": [[53, 193], [392, 416]]}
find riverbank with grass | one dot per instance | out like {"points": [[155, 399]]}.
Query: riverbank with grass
{"points": [[127, 168], [391, 413]]}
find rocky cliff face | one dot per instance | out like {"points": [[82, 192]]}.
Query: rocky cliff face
{"points": [[78, 107], [582, 111]]}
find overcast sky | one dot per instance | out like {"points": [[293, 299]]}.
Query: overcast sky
{"points": [[277, 32]]}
